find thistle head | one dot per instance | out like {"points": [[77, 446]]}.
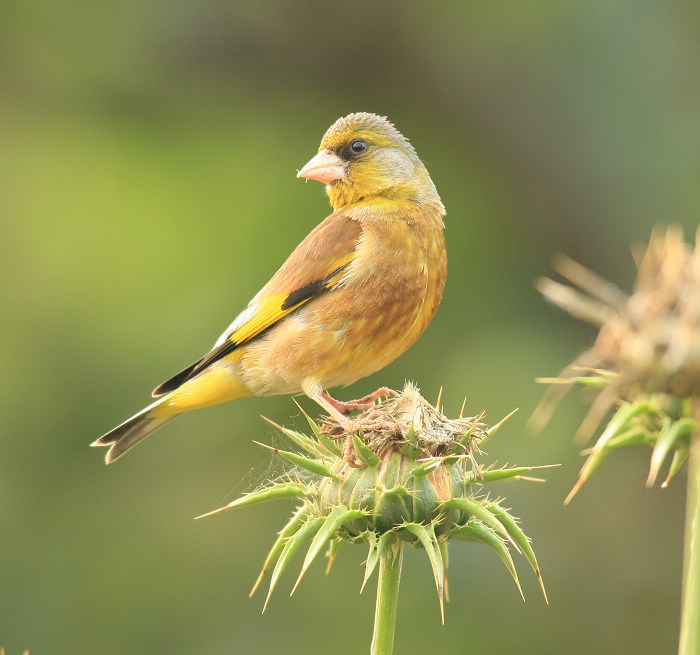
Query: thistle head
{"points": [[418, 483]]}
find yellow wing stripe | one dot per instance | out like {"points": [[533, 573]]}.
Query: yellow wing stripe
{"points": [[267, 312], [275, 307]]}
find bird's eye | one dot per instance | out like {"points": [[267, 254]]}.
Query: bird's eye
{"points": [[358, 146]]}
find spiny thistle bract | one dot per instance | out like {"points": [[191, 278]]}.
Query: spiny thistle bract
{"points": [[417, 482], [646, 358]]}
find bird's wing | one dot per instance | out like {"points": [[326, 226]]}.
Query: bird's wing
{"points": [[316, 265]]}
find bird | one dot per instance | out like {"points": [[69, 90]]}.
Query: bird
{"points": [[354, 295]]}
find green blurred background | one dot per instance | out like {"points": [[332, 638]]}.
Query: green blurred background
{"points": [[147, 190]]}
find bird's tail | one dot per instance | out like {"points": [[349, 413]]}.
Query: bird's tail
{"points": [[125, 436]]}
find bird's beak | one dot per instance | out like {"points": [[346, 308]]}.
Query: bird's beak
{"points": [[325, 167]]}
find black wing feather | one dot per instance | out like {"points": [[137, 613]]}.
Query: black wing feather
{"points": [[312, 289]]}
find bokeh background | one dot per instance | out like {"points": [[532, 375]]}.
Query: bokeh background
{"points": [[147, 190]]}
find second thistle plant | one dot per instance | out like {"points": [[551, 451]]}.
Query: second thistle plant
{"points": [[646, 358], [646, 364]]}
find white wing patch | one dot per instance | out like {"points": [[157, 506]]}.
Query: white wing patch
{"points": [[244, 317]]}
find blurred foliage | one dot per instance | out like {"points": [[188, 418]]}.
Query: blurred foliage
{"points": [[148, 154]]}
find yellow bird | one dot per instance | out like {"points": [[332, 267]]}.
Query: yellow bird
{"points": [[354, 295]]}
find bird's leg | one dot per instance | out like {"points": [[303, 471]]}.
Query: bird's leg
{"points": [[329, 404], [366, 423], [338, 410], [361, 404]]}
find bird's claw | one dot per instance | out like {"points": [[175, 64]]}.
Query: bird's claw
{"points": [[361, 404]]}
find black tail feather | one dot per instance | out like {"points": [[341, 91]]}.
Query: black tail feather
{"points": [[125, 436], [176, 381]]}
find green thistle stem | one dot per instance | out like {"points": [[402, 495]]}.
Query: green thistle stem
{"points": [[690, 609], [390, 562]]}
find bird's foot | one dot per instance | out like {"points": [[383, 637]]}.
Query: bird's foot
{"points": [[361, 404], [350, 426], [370, 422]]}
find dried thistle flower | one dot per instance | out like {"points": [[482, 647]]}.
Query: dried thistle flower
{"points": [[646, 358], [418, 484]]}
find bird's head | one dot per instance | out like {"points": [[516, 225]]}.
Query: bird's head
{"points": [[363, 157]]}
